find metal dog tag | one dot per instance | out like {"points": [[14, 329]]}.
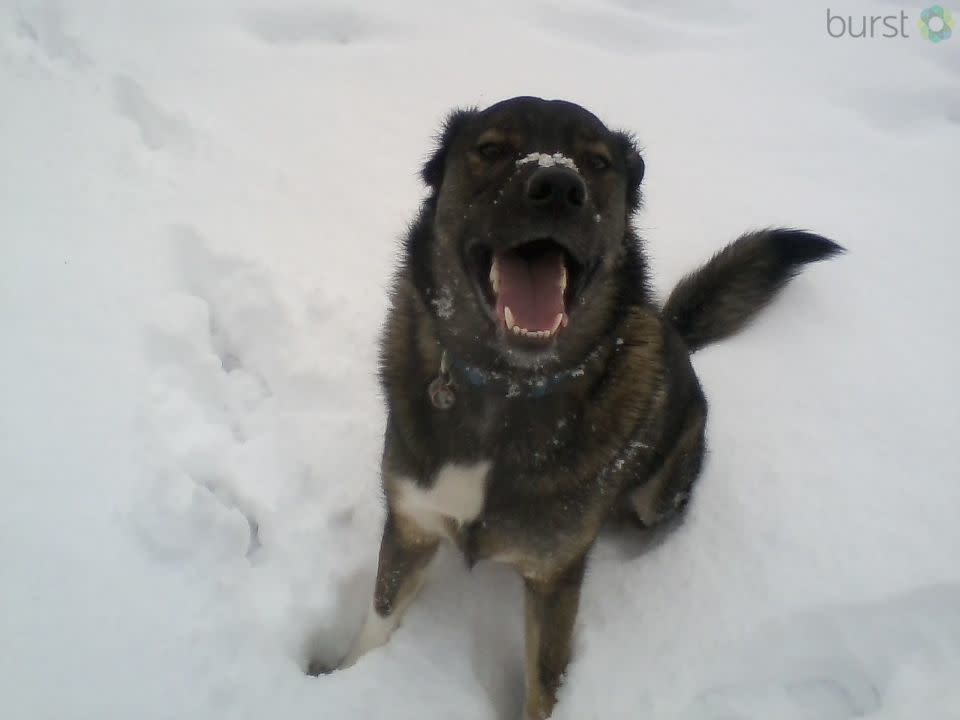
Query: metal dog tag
{"points": [[441, 393], [441, 389]]}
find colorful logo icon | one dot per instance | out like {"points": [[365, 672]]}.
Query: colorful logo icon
{"points": [[936, 24]]}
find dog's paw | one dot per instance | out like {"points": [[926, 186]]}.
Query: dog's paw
{"points": [[318, 666], [322, 658]]}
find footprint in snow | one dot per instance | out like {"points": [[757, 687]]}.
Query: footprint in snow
{"points": [[159, 129], [44, 27]]}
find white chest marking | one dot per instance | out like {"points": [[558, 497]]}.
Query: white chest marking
{"points": [[458, 493]]}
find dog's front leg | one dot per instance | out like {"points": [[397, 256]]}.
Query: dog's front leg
{"points": [[405, 552], [551, 609]]}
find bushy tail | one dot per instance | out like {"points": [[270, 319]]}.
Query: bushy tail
{"points": [[725, 294]]}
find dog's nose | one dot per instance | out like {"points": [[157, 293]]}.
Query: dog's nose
{"points": [[556, 186]]}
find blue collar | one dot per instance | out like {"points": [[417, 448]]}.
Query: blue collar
{"points": [[531, 386]]}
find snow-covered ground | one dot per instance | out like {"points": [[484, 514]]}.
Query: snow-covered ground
{"points": [[200, 205]]}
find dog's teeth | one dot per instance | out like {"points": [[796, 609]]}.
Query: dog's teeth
{"points": [[495, 277], [563, 279], [508, 318], [557, 322], [566, 320], [524, 332]]}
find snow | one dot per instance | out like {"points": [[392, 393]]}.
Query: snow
{"points": [[443, 303], [200, 209], [547, 160]]}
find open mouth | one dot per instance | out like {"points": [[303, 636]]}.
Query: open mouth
{"points": [[529, 288]]}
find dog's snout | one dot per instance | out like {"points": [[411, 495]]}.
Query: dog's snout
{"points": [[559, 187]]}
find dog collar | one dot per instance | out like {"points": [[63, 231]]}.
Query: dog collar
{"points": [[442, 390]]}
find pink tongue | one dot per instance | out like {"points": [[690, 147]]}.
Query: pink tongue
{"points": [[531, 289]]}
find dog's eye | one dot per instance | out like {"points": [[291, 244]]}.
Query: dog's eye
{"points": [[490, 151], [596, 161]]}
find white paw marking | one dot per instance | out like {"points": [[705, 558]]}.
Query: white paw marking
{"points": [[375, 632]]}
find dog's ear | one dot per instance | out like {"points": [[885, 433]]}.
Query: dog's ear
{"points": [[434, 167], [635, 168]]}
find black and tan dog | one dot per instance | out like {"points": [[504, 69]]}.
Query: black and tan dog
{"points": [[534, 388]]}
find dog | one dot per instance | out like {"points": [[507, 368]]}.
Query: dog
{"points": [[535, 390]]}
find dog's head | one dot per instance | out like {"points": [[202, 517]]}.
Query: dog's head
{"points": [[529, 210]]}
